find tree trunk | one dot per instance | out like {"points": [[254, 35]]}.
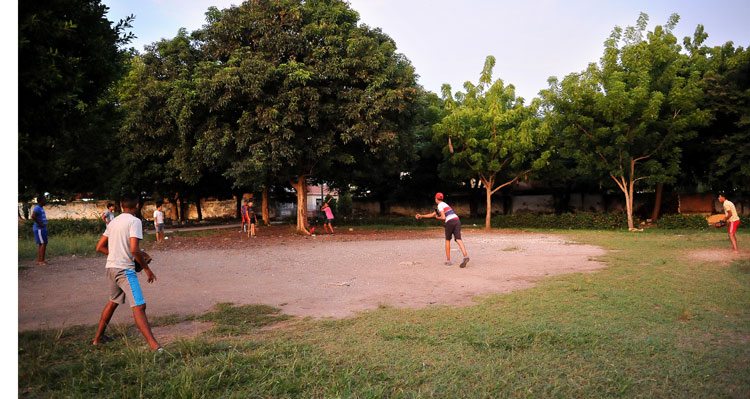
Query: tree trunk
{"points": [[301, 187], [487, 217], [238, 207], [657, 202], [264, 207], [198, 208]]}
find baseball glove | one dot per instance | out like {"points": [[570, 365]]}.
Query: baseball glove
{"points": [[146, 257], [720, 223]]}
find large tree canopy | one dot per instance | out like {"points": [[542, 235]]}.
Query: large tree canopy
{"points": [[298, 90], [625, 117], [68, 58]]}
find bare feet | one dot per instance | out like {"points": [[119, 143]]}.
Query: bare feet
{"points": [[42, 263]]}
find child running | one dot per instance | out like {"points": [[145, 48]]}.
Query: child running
{"points": [[452, 227]]}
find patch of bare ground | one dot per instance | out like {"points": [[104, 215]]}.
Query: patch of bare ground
{"points": [[719, 257], [320, 277]]}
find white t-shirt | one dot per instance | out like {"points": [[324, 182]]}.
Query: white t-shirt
{"points": [[729, 206], [447, 210], [109, 216], [158, 217], [118, 235]]}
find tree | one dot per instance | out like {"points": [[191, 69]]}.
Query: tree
{"points": [[626, 118], [165, 125], [297, 90], [720, 153], [489, 134], [69, 57]]}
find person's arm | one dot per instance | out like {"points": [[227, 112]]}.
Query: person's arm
{"points": [[37, 220], [441, 216], [429, 215], [136, 252], [103, 245], [728, 216]]}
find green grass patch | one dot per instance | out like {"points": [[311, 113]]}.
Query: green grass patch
{"points": [[80, 245], [655, 323]]}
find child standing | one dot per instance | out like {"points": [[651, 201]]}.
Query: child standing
{"points": [[328, 225]]}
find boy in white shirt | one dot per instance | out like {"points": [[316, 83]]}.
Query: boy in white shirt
{"points": [[159, 223], [120, 242]]}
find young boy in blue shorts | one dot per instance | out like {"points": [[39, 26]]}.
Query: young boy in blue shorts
{"points": [[40, 229]]}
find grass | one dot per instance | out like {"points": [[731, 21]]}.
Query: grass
{"points": [[82, 245], [655, 323]]}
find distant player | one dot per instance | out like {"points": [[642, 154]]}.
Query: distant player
{"points": [[40, 229], [159, 223], [245, 217], [452, 227], [252, 220], [329, 218], [109, 214], [732, 219]]}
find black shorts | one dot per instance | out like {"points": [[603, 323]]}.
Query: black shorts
{"points": [[329, 222], [453, 228]]}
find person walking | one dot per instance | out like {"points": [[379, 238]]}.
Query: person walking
{"points": [[121, 243]]}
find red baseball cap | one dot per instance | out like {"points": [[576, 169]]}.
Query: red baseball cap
{"points": [[439, 196]]}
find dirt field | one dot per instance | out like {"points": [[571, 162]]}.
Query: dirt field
{"points": [[322, 277]]}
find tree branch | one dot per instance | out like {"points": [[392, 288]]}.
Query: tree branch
{"points": [[511, 182]]}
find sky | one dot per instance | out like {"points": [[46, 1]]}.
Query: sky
{"points": [[447, 41]]}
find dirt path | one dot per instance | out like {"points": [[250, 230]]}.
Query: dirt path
{"points": [[321, 277]]}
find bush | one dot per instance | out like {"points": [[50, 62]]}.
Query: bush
{"points": [[693, 222], [570, 221], [63, 227]]}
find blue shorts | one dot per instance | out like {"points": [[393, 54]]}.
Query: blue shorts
{"points": [[40, 235], [124, 285]]}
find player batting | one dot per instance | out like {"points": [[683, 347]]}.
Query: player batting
{"points": [[452, 227]]}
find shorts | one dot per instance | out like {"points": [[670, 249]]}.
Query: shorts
{"points": [[733, 226], [329, 222], [123, 284], [40, 235], [453, 228], [159, 227], [253, 221]]}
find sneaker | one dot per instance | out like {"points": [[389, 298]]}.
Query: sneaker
{"points": [[465, 261], [159, 350], [448, 263]]}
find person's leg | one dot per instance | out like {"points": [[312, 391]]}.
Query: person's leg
{"points": [[330, 226], [732, 237], [448, 250], [141, 321], [733, 240], [41, 254], [460, 243], [106, 316], [252, 229]]}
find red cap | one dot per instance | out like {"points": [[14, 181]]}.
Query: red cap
{"points": [[439, 196]]}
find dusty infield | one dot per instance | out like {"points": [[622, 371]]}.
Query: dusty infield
{"points": [[322, 276]]}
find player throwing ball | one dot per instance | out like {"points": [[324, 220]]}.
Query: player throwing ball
{"points": [[452, 227]]}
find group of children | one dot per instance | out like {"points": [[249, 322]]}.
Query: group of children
{"points": [[121, 243]]}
